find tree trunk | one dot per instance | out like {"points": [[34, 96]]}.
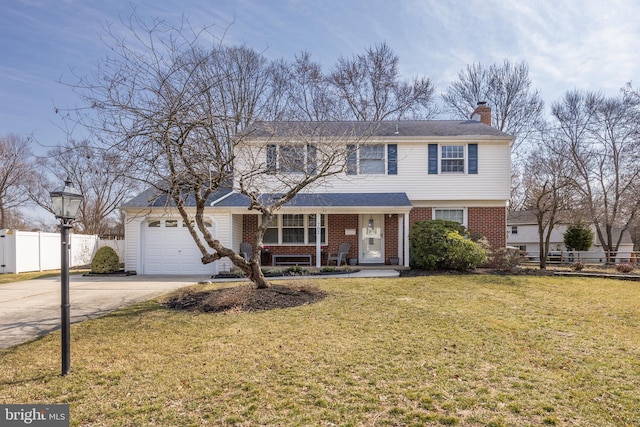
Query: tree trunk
{"points": [[256, 276], [3, 221]]}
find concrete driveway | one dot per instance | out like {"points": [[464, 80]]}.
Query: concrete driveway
{"points": [[31, 308]]}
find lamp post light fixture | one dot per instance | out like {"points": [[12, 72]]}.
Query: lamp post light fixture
{"points": [[65, 201]]}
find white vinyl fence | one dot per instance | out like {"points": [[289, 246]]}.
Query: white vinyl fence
{"points": [[22, 251]]}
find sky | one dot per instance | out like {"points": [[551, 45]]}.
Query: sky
{"points": [[585, 45]]}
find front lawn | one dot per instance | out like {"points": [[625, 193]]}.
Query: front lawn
{"points": [[477, 350]]}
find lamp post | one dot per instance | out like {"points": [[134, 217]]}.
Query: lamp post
{"points": [[65, 202]]}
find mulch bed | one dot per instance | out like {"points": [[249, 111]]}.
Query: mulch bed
{"points": [[245, 298]]}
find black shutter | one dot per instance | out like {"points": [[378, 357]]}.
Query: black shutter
{"points": [[272, 155], [312, 162], [352, 160], [392, 159], [473, 158], [433, 159]]}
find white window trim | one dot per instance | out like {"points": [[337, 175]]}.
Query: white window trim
{"points": [[444, 208], [278, 219], [465, 160]]}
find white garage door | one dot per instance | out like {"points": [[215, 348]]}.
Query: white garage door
{"points": [[168, 248]]}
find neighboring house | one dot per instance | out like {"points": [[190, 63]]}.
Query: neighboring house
{"points": [[406, 172], [522, 233]]}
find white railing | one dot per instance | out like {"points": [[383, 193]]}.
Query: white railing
{"points": [[586, 257]]}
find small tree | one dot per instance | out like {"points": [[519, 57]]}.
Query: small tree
{"points": [[578, 237], [439, 244]]}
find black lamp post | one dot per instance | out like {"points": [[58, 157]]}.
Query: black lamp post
{"points": [[65, 201]]}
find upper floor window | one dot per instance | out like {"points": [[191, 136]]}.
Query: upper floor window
{"points": [[453, 158], [514, 229], [292, 158], [370, 159]]}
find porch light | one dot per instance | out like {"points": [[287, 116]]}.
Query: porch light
{"points": [[65, 201]]}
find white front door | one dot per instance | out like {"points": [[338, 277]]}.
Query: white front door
{"points": [[371, 239]]}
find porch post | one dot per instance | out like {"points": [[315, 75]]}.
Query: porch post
{"points": [[318, 241], [400, 253], [406, 239]]}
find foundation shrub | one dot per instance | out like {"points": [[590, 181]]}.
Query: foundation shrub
{"points": [[105, 261], [444, 245]]}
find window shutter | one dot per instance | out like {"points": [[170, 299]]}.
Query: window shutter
{"points": [[473, 158], [352, 159], [272, 155], [312, 162], [433, 159], [392, 159]]}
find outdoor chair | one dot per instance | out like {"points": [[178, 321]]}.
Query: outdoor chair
{"points": [[246, 250], [341, 255]]}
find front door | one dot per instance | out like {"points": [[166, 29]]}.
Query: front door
{"points": [[372, 239]]}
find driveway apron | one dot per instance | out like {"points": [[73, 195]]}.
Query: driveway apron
{"points": [[31, 309]]}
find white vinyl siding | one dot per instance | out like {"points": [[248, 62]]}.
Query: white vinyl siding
{"points": [[492, 182]]}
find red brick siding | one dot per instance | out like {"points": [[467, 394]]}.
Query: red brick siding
{"points": [[390, 237], [489, 222], [337, 224], [419, 214]]}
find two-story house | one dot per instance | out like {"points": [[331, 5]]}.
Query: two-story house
{"points": [[406, 172]]}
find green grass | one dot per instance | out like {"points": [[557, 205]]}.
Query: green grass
{"points": [[470, 350], [13, 277]]}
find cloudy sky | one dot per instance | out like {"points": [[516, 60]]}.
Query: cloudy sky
{"points": [[568, 44]]}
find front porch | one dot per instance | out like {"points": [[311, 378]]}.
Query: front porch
{"points": [[375, 239]]}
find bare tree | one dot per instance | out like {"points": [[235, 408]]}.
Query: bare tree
{"points": [[599, 135], [183, 115], [16, 175], [506, 87], [547, 185], [102, 176], [370, 88], [307, 91]]}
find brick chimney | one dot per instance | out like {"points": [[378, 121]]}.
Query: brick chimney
{"points": [[484, 111]]}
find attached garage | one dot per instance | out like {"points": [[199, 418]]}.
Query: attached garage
{"points": [[168, 248]]}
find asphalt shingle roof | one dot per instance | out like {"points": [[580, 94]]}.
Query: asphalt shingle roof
{"points": [[152, 197], [328, 200], [391, 128]]}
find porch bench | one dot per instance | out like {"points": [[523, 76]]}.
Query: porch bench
{"points": [[305, 259]]}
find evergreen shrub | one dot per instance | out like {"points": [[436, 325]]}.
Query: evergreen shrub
{"points": [[444, 245], [105, 261]]}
